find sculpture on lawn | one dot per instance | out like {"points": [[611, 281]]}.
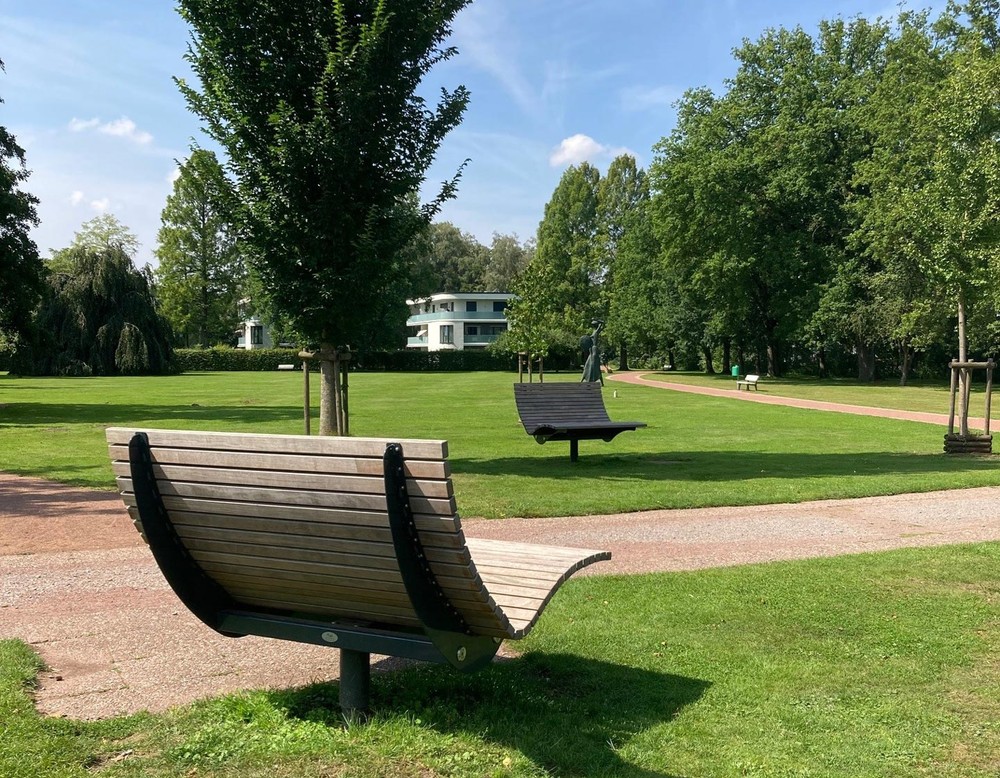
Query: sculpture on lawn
{"points": [[590, 346]]}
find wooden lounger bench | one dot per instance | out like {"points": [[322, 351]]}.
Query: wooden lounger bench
{"points": [[353, 543], [567, 411]]}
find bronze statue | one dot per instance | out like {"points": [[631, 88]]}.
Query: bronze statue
{"points": [[590, 344]]}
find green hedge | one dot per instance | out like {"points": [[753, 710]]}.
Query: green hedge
{"points": [[224, 359]]}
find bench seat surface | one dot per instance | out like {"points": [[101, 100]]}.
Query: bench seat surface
{"points": [[299, 525]]}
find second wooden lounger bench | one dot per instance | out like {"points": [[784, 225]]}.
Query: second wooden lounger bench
{"points": [[353, 543], [567, 411]]}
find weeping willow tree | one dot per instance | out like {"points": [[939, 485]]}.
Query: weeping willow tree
{"points": [[100, 319]]}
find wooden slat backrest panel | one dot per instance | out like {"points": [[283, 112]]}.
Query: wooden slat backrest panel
{"points": [[559, 404], [312, 507]]}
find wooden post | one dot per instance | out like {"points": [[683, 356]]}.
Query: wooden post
{"points": [[305, 356], [951, 411], [989, 395], [345, 420]]}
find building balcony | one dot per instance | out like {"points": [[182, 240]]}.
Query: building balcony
{"points": [[417, 342], [421, 318]]}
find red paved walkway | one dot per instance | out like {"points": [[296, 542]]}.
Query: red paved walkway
{"points": [[758, 396]]}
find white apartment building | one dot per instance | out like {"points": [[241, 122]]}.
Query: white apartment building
{"points": [[458, 321]]}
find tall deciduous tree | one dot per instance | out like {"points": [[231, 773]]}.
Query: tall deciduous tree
{"points": [[201, 275], [102, 232], [99, 320], [558, 294], [621, 192], [20, 265], [315, 103], [507, 259]]}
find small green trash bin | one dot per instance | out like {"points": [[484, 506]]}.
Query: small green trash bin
{"points": [[736, 371]]}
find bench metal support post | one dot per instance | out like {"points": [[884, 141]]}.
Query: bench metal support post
{"points": [[574, 450], [355, 682]]}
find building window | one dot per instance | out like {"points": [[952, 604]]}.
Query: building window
{"points": [[499, 306], [472, 329], [470, 306], [256, 335], [447, 333]]}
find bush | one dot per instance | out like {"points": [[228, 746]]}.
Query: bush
{"points": [[222, 358]]}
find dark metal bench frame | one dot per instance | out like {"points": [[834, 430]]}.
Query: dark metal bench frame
{"points": [[446, 637], [568, 411]]}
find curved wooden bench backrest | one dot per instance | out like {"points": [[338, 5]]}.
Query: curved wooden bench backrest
{"points": [[559, 404], [299, 524]]}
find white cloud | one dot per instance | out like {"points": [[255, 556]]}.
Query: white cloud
{"points": [[101, 205], [119, 128], [582, 148], [76, 198], [79, 125], [173, 175], [125, 128], [640, 98]]}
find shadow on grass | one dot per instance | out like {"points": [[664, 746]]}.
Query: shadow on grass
{"points": [[721, 465], [117, 414], [570, 715]]}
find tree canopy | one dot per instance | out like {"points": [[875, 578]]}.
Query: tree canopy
{"points": [[20, 265], [327, 138], [201, 274]]}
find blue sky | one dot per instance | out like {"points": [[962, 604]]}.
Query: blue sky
{"points": [[88, 93]]}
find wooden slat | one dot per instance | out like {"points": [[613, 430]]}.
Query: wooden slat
{"points": [[425, 522], [283, 444], [283, 479], [377, 543], [300, 463], [301, 497]]}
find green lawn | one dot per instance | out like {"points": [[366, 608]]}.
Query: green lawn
{"points": [[923, 396], [881, 665], [697, 451]]}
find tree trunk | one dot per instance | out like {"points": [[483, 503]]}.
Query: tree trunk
{"points": [[331, 419], [821, 362], [905, 362], [727, 356], [623, 357], [672, 360], [773, 358], [866, 362], [963, 373], [707, 353]]}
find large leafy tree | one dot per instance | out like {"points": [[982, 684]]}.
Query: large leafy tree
{"points": [[20, 265], [101, 319], [621, 191], [507, 259], [201, 274], [559, 292], [102, 232], [451, 261], [316, 105], [935, 204]]}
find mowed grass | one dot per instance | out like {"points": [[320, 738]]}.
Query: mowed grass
{"points": [[880, 666], [697, 451]]}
